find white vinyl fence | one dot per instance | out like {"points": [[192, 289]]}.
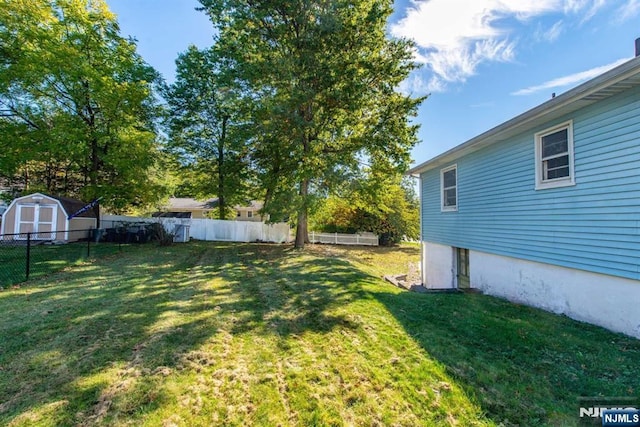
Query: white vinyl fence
{"points": [[211, 229], [239, 231], [366, 239]]}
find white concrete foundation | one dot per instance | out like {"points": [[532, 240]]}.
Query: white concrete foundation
{"points": [[608, 301], [438, 266]]}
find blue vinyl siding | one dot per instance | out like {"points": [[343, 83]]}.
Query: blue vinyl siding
{"points": [[593, 226]]}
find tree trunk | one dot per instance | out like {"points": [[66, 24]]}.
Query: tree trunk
{"points": [[26, 177], [95, 159], [49, 178], [302, 232], [221, 176], [93, 175], [96, 211]]}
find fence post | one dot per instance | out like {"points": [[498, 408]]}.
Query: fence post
{"points": [[357, 239], [336, 238], [28, 266]]}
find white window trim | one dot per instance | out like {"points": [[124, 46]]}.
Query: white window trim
{"points": [[558, 182], [444, 208]]}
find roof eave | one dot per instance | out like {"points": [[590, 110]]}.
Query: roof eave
{"points": [[557, 106]]}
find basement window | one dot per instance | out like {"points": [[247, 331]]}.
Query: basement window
{"points": [[554, 157], [449, 188]]}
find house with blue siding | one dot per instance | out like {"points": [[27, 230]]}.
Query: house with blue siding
{"points": [[544, 209]]}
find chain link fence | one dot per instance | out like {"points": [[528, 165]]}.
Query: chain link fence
{"points": [[26, 256]]}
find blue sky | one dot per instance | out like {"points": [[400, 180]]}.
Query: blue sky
{"points": [[484, 61]]}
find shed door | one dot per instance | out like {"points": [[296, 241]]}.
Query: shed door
{"points": [[37, 219], [462, 264]]}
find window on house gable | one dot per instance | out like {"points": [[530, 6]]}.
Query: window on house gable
{"points": [[449, 188], [249, 214], [554, 157]]}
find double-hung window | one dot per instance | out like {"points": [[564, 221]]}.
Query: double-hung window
{"points": [[449, 188], [554, 157]]}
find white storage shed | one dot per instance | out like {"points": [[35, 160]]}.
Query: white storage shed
{"points": [[47, 218]]}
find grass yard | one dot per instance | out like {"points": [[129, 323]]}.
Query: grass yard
{"points": [[46, 258], [247, 334]]}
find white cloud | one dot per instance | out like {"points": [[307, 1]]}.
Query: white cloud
{"points": [[416, 85], [572, 6], [571, 79], [457, 64], [549, 34], [629, 10], [454, 37], [587, 7]]}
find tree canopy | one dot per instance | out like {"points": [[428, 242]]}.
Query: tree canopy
{"points": [[77, 106], [207, 130], [322, 77], [379, 203], [292, 99]]}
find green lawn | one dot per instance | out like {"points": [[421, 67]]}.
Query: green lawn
{"points": [[246, 334], [47, 258]]}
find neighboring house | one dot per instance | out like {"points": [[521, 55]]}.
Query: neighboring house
{"points": [[544, 209], [198, 209], [47, 217], [207, 208], [250, 213]]}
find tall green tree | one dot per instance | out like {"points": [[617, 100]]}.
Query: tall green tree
{"points": [[207, 129], [375, 202], [77, 104], [323, 77]]}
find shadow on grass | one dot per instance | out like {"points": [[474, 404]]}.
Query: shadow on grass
{"points": [[46, 258], [96, 340], [75, 324], [522, 365], [93, 344], [275, 296]]}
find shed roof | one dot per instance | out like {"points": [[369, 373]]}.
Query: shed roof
{"points": [[72, 206], [69, 205], [610, 83]]}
